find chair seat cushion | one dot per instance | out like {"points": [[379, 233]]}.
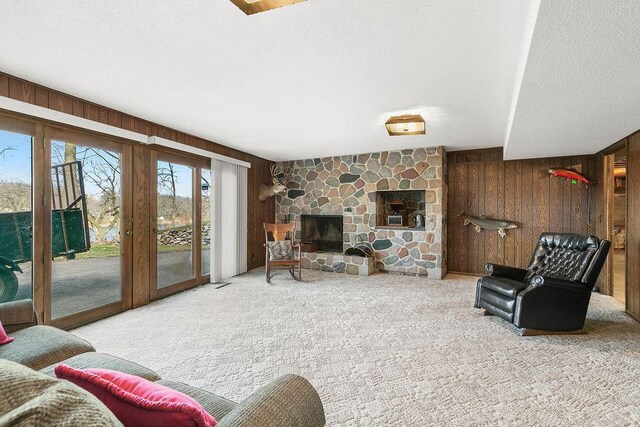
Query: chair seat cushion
{"points": [[503, 286], [105, 361], [213, 404], [40, 346]]}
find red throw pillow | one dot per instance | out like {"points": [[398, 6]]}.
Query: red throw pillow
{"points": [[136, 401], [4, 338]]}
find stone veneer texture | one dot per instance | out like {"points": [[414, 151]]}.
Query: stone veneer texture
{"points": [[347, 185]]}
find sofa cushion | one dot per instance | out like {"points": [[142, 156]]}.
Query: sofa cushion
{"points": [[105, 361], [213, 404], [507, 287], [41, 346], [136, 401], [31, 398]]}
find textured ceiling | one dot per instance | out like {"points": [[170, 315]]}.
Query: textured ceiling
{"points": [[581, 88], [321, 77], [313, 79]]}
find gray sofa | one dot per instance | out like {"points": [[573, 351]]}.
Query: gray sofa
{"points": [[288, 401]]}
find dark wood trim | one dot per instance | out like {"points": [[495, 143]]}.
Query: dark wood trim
{"points": [[632, 250], [141, 226], [82, 318], [153, 224], [39, 214], [175, 288], [46, 225], [613, 147], [12, 123], [126, 226], [83, 137], [198, 160]]}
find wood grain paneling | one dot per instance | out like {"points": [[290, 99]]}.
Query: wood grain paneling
{"points": [[481, 183], [633, 226], [259, 173]]}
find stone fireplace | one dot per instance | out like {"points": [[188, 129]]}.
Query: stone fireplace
{"points": [[356, 188]]}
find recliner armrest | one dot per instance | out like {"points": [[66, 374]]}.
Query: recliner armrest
{"points": [[16, 315], [288, 401], [538, 281], [514, 273]]}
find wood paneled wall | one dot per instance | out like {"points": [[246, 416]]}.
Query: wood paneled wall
{"points": [[481, 183], [633, 226], [258, 212]]}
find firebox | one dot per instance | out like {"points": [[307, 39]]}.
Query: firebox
{"points": [[325, 231]]}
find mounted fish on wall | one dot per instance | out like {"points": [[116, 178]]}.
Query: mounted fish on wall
{"points": [[571, 175], [483, 222]]}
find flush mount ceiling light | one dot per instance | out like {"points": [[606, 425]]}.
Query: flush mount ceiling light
{"points": [[408, 124], [256, 6]]}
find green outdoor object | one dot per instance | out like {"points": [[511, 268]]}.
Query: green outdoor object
{"points": [[69, 227], [15, 236], [68, 235]]}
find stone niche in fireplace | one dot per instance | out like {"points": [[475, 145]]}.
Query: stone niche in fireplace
{"points": [[323, 232]]}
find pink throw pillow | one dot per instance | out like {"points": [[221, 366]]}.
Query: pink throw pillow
{"points": [[136, 401], [4, 338]]}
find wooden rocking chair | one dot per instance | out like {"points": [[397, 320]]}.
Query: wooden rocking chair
{"points": [[282, 232]]}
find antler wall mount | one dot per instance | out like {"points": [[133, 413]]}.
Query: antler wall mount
{"points": [[278, 186]]}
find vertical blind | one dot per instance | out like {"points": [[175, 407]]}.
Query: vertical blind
{"points": [[229, 219]]}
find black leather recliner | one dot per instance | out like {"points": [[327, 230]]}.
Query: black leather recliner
{"points": [[553, 293]]}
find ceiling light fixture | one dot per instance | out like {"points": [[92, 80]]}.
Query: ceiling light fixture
{"points": [[407, 124], [256, 6]]}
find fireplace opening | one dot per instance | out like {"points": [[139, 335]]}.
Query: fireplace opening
{"points": [[323, 232]]}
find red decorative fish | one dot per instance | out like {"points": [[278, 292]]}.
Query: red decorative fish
{"points": [[573, 176]]}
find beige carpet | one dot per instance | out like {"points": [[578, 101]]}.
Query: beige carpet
{"points": [[386, 350]]}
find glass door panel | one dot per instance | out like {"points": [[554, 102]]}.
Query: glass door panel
{"points": [[205, 215], [90, 222], [174, 224], [16, 216]]}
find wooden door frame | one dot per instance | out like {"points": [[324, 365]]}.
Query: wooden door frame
{"points": [[90, 139], [17, 124], [196, 163], [608, 208]]}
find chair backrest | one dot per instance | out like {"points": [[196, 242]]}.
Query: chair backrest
{"points": [[279, 231], [569, 256]]}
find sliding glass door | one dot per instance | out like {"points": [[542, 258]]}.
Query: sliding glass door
{"points": [[67, 226], [89, 227], [179, 234]]}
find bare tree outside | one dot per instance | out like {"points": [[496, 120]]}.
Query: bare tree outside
{"points": [[102, 173]]}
